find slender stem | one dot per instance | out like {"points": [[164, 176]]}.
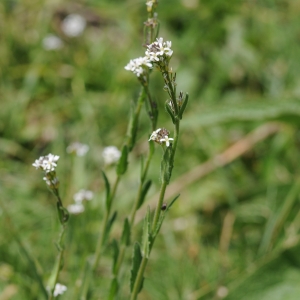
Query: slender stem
{"points": [[159, 204], [58, 260], [139, 279]]}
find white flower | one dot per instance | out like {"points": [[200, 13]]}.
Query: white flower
{"points": [[59, 289], [167, 140], [49, 162], [154, 135], [158, 49], [111, 155], [137, 65], [73, 25], [83, 195], [52, 42], [78, 148], [76, 208], [46, 163]]}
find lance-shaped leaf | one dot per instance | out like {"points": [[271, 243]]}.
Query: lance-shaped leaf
{"points": [[183, 106], [107, 188], [132, 127], [146, 245], [113, 289], [170, 111], [166, 167], [109, 225], [115, 251], [125, 239], [144, 192], [122, 164], [162, 216], [136, 262]]}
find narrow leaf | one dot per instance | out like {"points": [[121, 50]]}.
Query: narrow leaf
{"points": [[165, 167], [146, 245], [107, 188], [162, 216], [136, 262], [122, 164], [109, 225], [144, 192], [125, 239], [170, 112], [183, 106], [113, 289], [115, 251]]}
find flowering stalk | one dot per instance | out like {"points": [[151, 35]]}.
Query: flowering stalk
{"points": [[48, 164], [159, 53]]}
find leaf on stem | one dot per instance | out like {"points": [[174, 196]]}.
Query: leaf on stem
{"points": [[166, 166], [146, 246], [107, 188], [109, 225], [115, 251], [144, 192], [113, 289], [125, 239], [136, 262], [122, 164], [132, 127], [169, 111], [183, 106], [162, 216]]}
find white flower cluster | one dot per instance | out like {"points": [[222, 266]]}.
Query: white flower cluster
{"points": [[136, 65], [59, 289], [78, 148], [46, 163], [111, 154], [161, 135], [156, 52], [79, 197]]}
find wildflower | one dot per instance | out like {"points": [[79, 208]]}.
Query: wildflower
{"points": [[154, 134], [111, 155], [160, 136], [46, 163], [138, 65], [158, 50], [83, 195], [73, 25], [75, 209], [78, 148], [52, 42], [59, 289], [166, 140]]}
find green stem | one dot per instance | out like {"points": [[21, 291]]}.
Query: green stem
{"points": [[58, 263], [139, 279], [159, 204]]}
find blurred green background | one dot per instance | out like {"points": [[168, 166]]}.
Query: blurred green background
{"points": [[232, 234]]}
